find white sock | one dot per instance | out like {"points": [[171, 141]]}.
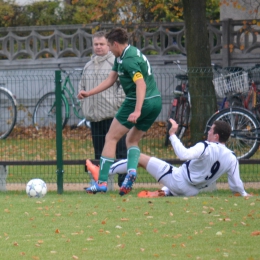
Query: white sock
{"points": [[118, 167], [166, 191]]}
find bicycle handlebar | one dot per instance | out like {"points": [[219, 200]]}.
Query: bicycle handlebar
{"points": [[62, 70], [233, 69], [176, 62], [67, 73]]}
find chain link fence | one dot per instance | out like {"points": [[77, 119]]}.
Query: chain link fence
{"points": [[30, 150]]}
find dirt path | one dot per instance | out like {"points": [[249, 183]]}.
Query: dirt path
{"points": [[145, 186]]}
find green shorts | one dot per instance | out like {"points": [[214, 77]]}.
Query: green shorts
{"points": [[150, 111]]}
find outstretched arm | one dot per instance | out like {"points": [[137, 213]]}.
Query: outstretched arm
{"points": [[107, 83], [234, 181], [180, 150]]}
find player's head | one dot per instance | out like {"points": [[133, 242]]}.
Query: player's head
{"points": [[219, 132], [99, 42], [117, 38], [118, 35]]}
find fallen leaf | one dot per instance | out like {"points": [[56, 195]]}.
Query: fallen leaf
{"points": [[119, 227], [16, 244], [75, 257], [121, 245], [124, 219], [255, 233], [57, 231]]}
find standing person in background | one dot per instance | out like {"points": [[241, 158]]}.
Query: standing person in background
{"points": [[138, 112], [101, 108]]}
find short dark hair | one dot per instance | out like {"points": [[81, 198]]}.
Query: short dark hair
{"points": [[223, 130], [117, 35]]}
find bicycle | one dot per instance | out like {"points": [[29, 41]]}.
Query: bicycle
{"points": [[247, 96], [44, 115], [244, 139], [8, 111], [180, 108]]}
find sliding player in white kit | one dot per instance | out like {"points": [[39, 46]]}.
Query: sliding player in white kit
{"points": [[206, 162]]}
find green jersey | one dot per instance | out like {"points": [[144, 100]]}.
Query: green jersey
{"points": [[129, 66]]}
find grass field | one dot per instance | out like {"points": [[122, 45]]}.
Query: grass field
{"points": [[77, 225]]}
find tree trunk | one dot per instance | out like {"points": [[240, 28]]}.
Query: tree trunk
{"points": [[203, 98]]}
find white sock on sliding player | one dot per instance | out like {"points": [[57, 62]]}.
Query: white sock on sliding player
{"points": [[118, 167]]}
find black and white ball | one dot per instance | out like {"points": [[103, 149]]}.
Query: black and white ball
{"points": [[36, 188]]}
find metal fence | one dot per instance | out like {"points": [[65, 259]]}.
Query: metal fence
{"points": [[29, 152]]}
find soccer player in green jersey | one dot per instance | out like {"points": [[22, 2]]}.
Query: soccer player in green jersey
{"points": [[138, 112]]}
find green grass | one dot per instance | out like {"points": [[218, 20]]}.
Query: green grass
{"points": [[106, 226]]}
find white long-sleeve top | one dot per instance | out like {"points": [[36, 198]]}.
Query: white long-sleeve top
{"points": [[206, 162]]}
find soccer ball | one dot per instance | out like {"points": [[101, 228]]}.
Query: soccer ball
{"points": [[36, 188]]}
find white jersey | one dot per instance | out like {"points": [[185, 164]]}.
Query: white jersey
{"points": [[206, 162]]}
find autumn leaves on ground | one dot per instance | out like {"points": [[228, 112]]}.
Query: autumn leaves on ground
{"points": [[107, 226], [158, 130]]}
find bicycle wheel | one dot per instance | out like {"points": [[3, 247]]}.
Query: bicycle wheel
{"points": [[44, 115], [244, 136], [8, 114], [180, 112], [182, 117], [168, 126]]}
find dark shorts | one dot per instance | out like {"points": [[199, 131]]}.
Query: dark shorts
{"points": [[150, 111]]}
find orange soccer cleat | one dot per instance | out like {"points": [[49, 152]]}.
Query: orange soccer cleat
{"points": [[151, 194], [94, 169]]}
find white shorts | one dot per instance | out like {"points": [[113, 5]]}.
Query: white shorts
{"points": [[171, 177]]}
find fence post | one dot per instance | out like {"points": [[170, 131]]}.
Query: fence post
{"points": [[226, 34], [3, 177], [59, 149]]}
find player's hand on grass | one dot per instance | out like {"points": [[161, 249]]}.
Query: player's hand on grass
{"points": [[173, 128]]}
